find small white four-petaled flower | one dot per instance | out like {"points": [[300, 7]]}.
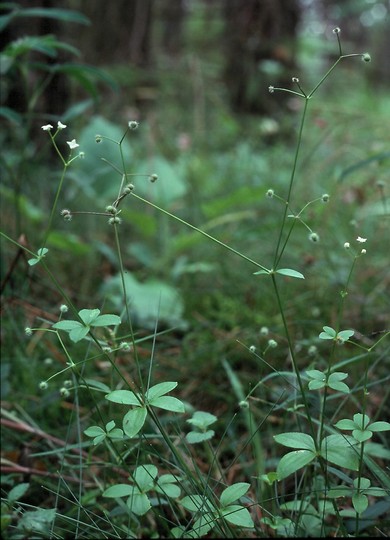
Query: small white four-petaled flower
{"points": [[48, 127], [72, 144], [60, 125], [361, 240]]}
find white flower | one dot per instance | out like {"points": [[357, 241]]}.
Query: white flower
{"points": [[361, 240], [347, 245], [48, 127], [72, 144], [60, 125], [363, 251]]}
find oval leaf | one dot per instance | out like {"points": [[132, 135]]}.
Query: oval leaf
{"points": [[123, 397], [293, 461], [134, 420], [119, 490], [106, 320], [234, 492], [160, 389], [295, 440], [290, 272], [168, 403]]}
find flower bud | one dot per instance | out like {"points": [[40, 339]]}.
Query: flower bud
{"points": [[98, 138], [271, 89], [270, 193], [133, 124], [153, 177], [366, 57], [115, 220], [64, 392], [313, 237]]}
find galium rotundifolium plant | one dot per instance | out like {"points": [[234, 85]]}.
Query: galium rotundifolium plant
{"points": [[146, 484], [325, 446]]}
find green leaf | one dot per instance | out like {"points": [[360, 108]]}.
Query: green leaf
{"points": [[316, 374], [329, 333], [77, 334], [380, 426], [169, 490], [293, 461], [138, 502], [290, 272], [37, 521], [159, 390], [89, 315], [345, 334], [67, 325], [360, 502], [134, 420], [124, 397], [166, 484], [201, 526], [262, 272], [168, 403], [238, 516], [335, 383], [118, 490], [41, 253], [202, 419], [94, 431], [233, 493], [194, 437], [339, 449], [361, 420], [362, 435], [345, 423], [106, 320], [316, 385], [18, 492], [144, 476], [96, 385], [66, 15], [339, 491], [115, 433], [339, 387], [296, 440]]}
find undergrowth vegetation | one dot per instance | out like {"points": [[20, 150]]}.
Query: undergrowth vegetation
{"points": [[195, 343]]}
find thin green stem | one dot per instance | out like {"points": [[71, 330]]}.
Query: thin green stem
{"points": [[248, 259], [293, 359], [54, 207], [278, 254]]}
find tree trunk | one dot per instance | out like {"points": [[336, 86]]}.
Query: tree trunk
{"points": [[260, 50]]}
